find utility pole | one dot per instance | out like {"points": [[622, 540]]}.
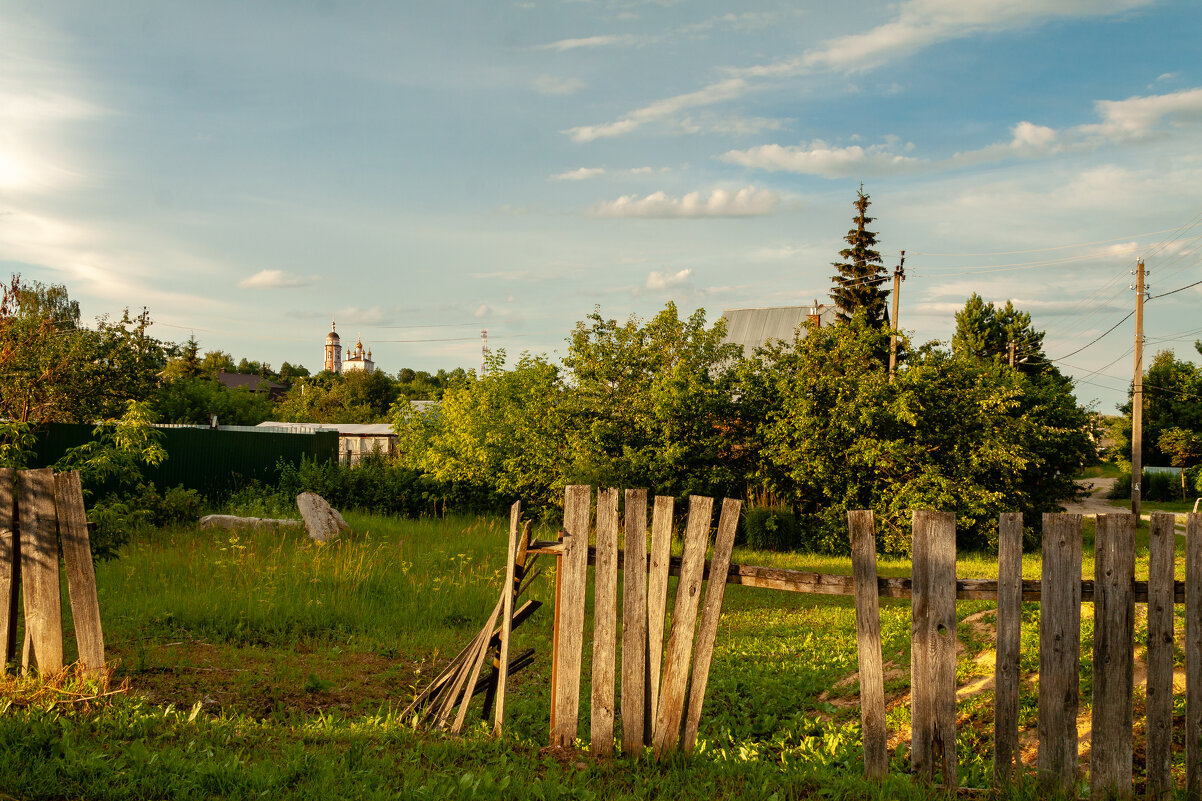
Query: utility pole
{"points": [[1011, 349], [483, 352], [1137, 393], [899, 275]]}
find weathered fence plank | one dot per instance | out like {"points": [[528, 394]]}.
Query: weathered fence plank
{"points": [[605, 625], [1006, 755], [570, 602], [81, 574], [1193, 657], [1111, 756], [868, 640], [634, 623], [1161, 552], [657, 603], [933, 646], [511, 569], [39, 570], [1059, 650], [668, 716], [715, 590], [10, 567]]}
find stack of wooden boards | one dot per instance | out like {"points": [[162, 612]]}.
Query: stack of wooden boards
{"points": [[654, 701], [38, 509], [460, 681]]}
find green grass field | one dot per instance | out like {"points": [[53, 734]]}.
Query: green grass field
{"points": [[260, 664]]}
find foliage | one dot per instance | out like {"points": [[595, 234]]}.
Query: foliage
{"points": [[502, 433], [195, 399], [52, 369], [652, 405], [110, 469], [16, 444], [1154, 487], [769, 529], [860, 275], [985, 332], [421, 385], [353, 397], [949, 433], [1172, 418]]}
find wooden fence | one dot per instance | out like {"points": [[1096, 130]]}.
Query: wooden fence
{"points": [[38, 510], [933, 589]]}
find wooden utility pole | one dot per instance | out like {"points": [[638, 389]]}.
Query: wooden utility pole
{"points": [[899, 275], [1137, 393]]}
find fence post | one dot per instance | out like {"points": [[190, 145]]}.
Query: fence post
{"points": [[569, 633], [933, 646], [657, 605], [1193, 657], [1006, 757], [39, 570], [1112, 754], [81, 574], [1161, 551], [868, 642], [634, 622], [605, 625], [1059, 650], [10, 567]]}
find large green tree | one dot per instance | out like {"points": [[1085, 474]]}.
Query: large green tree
{"points": [[985, 331], [861, 272], [1172, 419]]}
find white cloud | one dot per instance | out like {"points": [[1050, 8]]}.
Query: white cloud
{"points": [[746, 202], [273, 279], [579, 174], [482, 310], [708, 95], [820, 158], [607, 40], [1138, 117], [552, 85], [658, 281]]}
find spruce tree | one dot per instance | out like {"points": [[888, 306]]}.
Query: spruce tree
{"points": [[861, 273]]}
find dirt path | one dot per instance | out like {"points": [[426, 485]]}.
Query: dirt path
{"points": [[1096, 503]]}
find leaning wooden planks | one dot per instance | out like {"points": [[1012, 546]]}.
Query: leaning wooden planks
{"points": [[37, 510], [452, 690], [662, 709]]}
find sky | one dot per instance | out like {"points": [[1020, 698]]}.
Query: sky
{"points": [[249, 171]]}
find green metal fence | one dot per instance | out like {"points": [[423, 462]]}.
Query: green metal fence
{"points": [[211, 461]]}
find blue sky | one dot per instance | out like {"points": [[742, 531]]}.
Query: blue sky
{"points": [[421, 171]]}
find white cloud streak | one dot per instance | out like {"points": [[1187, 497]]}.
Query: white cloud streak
{"points": [[273, 279], [713, 93], [553, 86], [607, 40], [579, 174], [657, 281], [746, 202]]}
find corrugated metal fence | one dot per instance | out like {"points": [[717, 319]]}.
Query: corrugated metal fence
{"points": [[211, 461]]}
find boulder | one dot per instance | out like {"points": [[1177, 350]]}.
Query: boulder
{"points": [[235, 522], [321, 520]]}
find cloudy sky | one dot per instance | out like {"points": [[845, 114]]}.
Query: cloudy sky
{"points": [[420, 171]]}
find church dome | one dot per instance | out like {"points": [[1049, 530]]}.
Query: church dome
{"points": [[332, 337]]}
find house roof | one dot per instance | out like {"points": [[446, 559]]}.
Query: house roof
{"points": [[754, 328], [343, 429], [244, 381]]}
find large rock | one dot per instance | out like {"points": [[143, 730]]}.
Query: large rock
{"points": [[321, 520], [235, 522]]}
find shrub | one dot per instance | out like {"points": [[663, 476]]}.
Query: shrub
{"points": [[770, 529], [1156, 487]]}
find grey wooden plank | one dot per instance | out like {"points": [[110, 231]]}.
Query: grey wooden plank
{"points": [[635, 699], [605, 625], [707, 632], [39, 570], [476, 664], [1059, 651], [570, 633], [508, 590], [669, 713], [81, 574], [657, 603], [1161, 553], [1006, 753], [10, 571], [862, 527], [933, 646], [1112, 751], [1193, 657]]}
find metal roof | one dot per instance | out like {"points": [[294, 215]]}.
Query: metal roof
{"points": [[754, 328], [343, 429]]}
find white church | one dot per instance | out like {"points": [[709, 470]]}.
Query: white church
{"points": [[356, 358]]}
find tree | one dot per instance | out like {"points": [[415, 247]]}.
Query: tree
{"points": [[861, 273], [984, 331], [289, 373], [1172, 406], [195, 400], [186, 364]]}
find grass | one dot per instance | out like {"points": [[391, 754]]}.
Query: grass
{"points": [[261, 664]]}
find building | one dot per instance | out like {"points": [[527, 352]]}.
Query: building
{"points": [[356, 357], [252, 383], [354, 439], [755, 328]]}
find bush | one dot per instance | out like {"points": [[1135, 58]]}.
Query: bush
{"points": [[770, 529], [1156, 487], [119, 515]]}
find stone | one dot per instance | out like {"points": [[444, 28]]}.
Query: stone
{"points": [[321, 520], [235, 522]]}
